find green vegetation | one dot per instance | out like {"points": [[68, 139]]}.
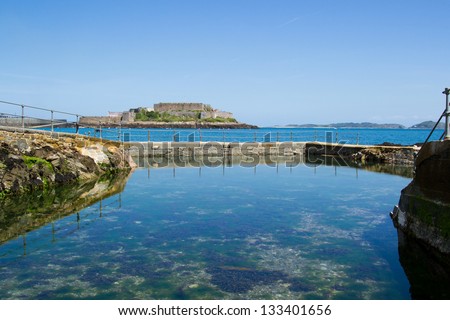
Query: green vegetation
{"points": [[219, 119], [108, 171], [32, 161], [432, 214], [3, 194], [192, 116], [165, 117]]}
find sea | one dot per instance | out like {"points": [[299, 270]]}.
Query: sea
{"points": [[223, 232], [341, 135]]}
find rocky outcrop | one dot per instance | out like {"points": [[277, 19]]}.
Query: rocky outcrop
{"points": [[385, 155], [398, 155], [424, 207], [36, 161], [111, 123]]}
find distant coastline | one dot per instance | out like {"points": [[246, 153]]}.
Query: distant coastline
{"points": [[363, 125]]}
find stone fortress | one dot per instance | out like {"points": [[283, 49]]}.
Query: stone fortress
{"points": [[197, 115], [190, 109]]}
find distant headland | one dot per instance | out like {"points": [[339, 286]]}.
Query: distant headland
{"points": [[169, 115], [428, 125], [367, 125]]}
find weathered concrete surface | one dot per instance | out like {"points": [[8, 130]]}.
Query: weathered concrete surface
{"points": [[354, 153], [433, 170], [164, 149], [424, 206]]}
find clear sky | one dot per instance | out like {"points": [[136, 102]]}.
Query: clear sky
{"points": [[269, 62]]}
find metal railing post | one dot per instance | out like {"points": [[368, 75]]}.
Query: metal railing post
{"points": [[447, 114], [51, 121], [23, 117]]}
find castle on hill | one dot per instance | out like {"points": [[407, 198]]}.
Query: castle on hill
{"points": [[187, 109]]}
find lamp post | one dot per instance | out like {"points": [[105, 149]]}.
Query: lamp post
{"points": [[447, 114]]}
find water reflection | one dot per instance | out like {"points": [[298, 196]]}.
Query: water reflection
{"points": [[276, 231], [271, 161], [26, 212], [428, 271]]}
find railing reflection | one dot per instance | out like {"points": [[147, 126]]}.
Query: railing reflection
{"points": [[276, 162]]}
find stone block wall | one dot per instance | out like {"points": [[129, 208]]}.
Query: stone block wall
{"points": [[95, 121], [128, 116], [167, 107], [216, 114], [28, 122]]}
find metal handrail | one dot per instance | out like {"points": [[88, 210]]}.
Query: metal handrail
{"points": [[39, 108], [435, 126], [445, 114], [52, 112]]}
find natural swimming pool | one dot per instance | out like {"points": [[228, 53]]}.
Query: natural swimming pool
{"points": [[219, 233]]}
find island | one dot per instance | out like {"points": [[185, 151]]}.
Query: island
{"points": [[368, 125], [169, 115], [428, 125]]}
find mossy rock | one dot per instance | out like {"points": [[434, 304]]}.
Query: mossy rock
{"points": [[32, 161]]}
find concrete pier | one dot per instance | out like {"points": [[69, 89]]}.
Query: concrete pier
{"points": [[403, 155]]}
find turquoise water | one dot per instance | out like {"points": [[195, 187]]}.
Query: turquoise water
{"points": [[219, 233], [352, 136]]}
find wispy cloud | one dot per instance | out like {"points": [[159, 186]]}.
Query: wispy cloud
{"points": [[288, 22]]}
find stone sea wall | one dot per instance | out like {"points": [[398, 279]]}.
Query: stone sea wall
{"points": [[97, 121], [424, 207], [182, 154], [28, 122], [36, 161]]}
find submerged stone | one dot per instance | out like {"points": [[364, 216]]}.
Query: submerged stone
{"points": [[241, 280]]}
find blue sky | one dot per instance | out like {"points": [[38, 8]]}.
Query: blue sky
{"points": [[268, 62]]}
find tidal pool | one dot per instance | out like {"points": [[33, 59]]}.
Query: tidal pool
{"points": [[219, 233]]}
